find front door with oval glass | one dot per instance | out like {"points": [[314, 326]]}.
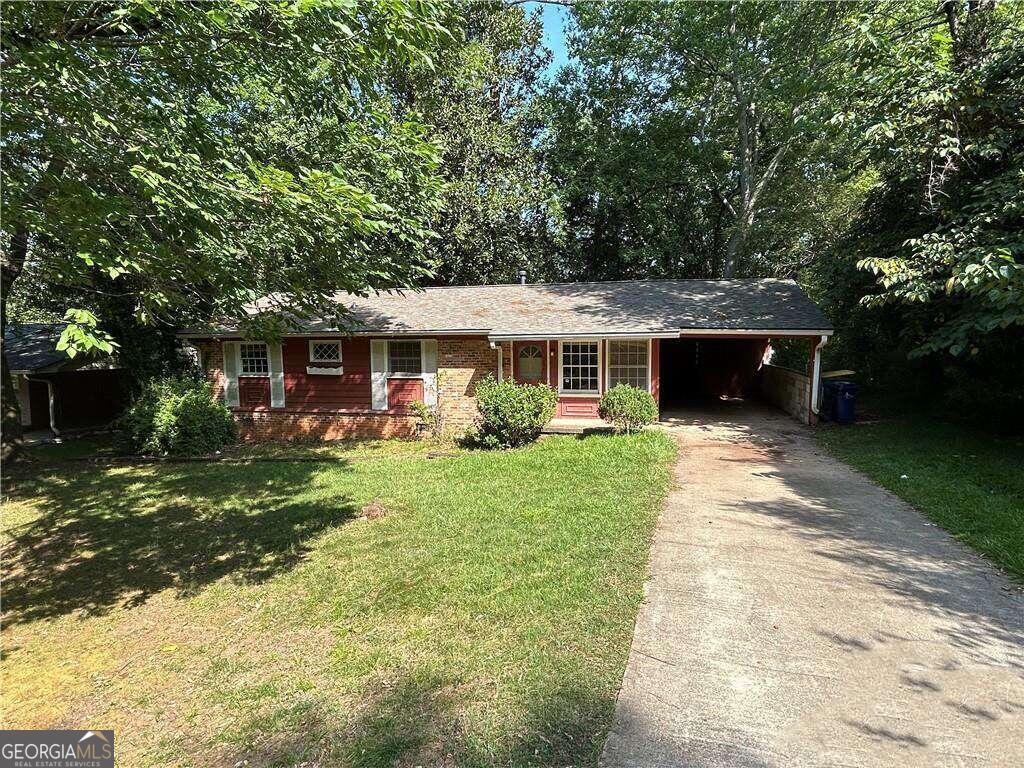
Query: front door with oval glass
{"points": [[530, 362]]}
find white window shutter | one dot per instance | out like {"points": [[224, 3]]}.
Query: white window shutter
{"points": [[379, 374], [231, 374], [429, 353], [275, 363]]}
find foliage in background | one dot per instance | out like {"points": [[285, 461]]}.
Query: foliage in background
{"points": [[924, 283], [430, 418], [511, 414], [190, 157], [176, 416], [693, 139], [942, 108], [498, 211], [627, 408]]}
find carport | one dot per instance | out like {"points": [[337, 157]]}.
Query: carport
{"points": [[699, 369]]}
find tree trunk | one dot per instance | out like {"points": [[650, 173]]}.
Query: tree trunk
{"points": [[744, 172], [11, 425], [732, 250], [13, 263]]}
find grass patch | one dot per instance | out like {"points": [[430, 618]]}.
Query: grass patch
{"points": [[217, 613], [970, 483]]}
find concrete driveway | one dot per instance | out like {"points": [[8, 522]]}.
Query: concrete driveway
{"points": [[799, 615]]}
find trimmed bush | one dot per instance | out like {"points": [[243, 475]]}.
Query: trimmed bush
{"points": [[627, 408], [511, 414], [176, 416]]}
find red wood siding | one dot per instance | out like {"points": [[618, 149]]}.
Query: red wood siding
{"points": [[401, 392], [311, 392], [253, 392], [577, 407]]}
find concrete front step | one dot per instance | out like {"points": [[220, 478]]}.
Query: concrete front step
{"points": [[566, 426]]}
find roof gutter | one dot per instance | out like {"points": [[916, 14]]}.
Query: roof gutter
{"points": [[631, 334], [589, 335], [497, 345], [220, 334], [756, 332]]}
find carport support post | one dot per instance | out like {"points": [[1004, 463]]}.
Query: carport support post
{"points": [[814, 374]]}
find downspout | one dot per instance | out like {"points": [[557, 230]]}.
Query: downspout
{"points": [[52, 403], [497, 345], [816, 376]]}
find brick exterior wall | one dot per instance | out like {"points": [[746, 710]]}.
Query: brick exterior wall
{"points": [[461, 364], [211, 359], [276, 425]]}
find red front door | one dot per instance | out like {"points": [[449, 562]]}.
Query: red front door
{"points": [[530, 362]]}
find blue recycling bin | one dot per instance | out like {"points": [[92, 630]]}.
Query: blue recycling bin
{"points": [[840, 401]]}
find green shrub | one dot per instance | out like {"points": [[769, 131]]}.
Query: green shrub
{"points": [[511, 414], [176, 416], [430, 418], [627, 408]]}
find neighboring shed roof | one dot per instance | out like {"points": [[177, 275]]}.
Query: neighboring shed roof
{"points": [[32, 346], [640, 307]]}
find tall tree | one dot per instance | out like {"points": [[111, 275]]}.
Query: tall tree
{"points": [[711, 105], [479, 97], [192, 156]]}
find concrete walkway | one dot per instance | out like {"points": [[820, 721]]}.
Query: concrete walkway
{"points": [[799, 615]]}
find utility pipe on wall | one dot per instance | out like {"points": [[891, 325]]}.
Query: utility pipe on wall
{"points": [[816, 376]]}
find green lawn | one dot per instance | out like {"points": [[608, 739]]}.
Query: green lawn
{"points": [[972, 484], [213, 613]]}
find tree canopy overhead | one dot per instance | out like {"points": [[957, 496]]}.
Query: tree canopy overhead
{"points": [[195, 155]]}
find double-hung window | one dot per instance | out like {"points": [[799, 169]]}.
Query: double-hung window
{"points": [[628, 363], [580, 366], [252, 359], [405, 356]]}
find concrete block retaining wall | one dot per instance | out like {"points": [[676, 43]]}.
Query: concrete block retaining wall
{"points": [[788, 390]]}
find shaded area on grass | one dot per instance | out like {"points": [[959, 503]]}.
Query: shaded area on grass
{"points": [[970, 483], [110, 537], [484, 621]]}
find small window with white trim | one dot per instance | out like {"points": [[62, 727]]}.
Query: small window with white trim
{"points": [[627, 363], [580, 366], [405, 356], [325, 352], [252, 359]]}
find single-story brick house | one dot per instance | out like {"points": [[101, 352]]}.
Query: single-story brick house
{"points": [[57, 392], [674, 338]]}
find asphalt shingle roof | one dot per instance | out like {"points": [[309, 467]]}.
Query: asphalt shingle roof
{"points": [[32, 346], [553, 309]]}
